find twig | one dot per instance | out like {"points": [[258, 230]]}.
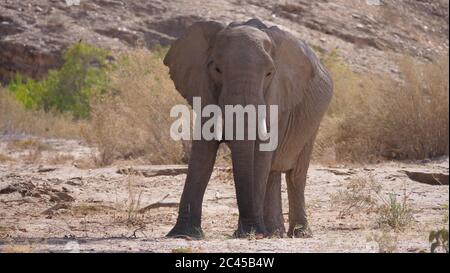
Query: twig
{"points": [[159, 204], [136, 230]]}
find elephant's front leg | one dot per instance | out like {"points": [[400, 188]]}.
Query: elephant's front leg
{"points": [[251, 169], [201, 163]]}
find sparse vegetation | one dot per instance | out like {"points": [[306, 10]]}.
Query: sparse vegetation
{"points": [[133, 119], [16, 119], [128, 210], [360, 195], [364, 195], [373, 118], [395, 214], [127, 106], [29, 144], [70, 88]]}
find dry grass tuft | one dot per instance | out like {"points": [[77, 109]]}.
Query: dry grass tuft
{"points": [[15, 119], [363, 195], [360, 195], [395, 214], [128, 209], [133, 119]]}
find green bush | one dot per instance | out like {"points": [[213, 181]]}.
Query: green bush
{"points": [[70, 88]]}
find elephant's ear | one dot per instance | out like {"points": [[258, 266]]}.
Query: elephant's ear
{"points": [[187, 60], [294, 68]]}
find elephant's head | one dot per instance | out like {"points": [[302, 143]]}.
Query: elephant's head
{"points": [[239, 64]]}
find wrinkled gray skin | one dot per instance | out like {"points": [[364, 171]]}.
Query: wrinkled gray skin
{"points": [[251, 64]]}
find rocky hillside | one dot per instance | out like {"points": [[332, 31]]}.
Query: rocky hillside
{"points": [[369, 34]]}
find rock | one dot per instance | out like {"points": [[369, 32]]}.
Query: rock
{"points": [[8, 190], [435, 179]]}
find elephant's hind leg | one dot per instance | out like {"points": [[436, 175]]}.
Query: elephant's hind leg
{"points": [[273, 216], [296, 181]]}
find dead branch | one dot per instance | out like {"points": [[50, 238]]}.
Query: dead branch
{"points": [[159, 204]]}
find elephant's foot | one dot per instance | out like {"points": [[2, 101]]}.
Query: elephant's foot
{"points": [[275, 227], [186, 231], [250, 230], [276, 232], [300, 231], [253, 234]]}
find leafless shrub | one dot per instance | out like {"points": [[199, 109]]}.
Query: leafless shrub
{"points": [[133, 119]]}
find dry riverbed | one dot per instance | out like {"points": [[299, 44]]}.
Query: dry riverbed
{"points": [[52, 199]]}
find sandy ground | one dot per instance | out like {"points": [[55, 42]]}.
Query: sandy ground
{"points": [[96, 210]]}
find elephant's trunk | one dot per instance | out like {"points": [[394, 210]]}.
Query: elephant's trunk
{"points": [[243, 155]]}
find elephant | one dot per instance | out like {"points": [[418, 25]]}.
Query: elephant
{"points": [[248, 63]]}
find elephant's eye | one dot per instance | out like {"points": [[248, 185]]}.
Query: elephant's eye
{"points": [[268, 74], [218, 70]]}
